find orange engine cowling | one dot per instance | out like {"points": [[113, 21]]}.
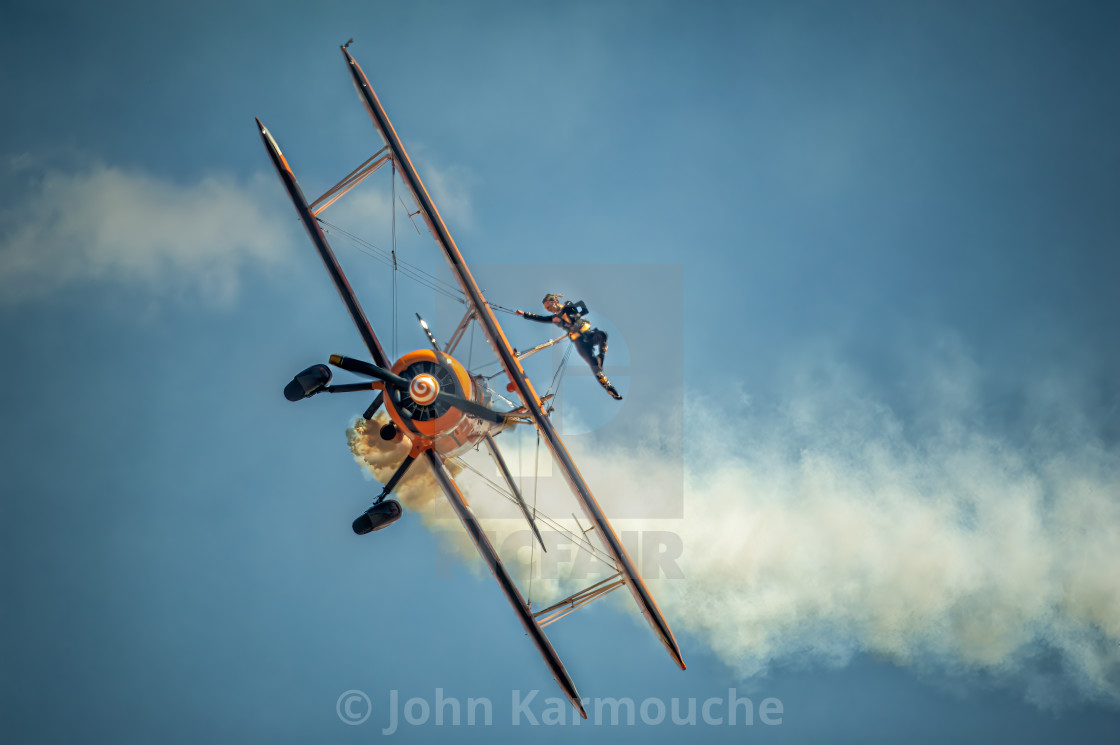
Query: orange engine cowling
{"points": [[429, 422]]}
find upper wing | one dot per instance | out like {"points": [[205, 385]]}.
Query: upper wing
{"points": [[510, 364]]}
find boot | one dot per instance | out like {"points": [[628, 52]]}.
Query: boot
{"points": [[607, 385]]}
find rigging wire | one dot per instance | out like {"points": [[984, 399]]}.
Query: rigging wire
{"points": [[578, 539], [560, 368], [411, 271], [393, 201], [533, 544]]}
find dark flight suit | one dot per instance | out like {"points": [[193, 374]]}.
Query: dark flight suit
{"points": [[570, 318]]}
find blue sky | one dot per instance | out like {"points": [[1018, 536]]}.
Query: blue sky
{"points": [[857, 261]]}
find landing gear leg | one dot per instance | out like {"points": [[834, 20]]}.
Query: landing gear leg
{"points": [[395, 478], [384, 511]]}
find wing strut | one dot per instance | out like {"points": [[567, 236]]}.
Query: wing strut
{"points": [[496, 454]]}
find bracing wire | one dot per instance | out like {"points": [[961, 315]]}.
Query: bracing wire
{"points": [[533, 544], [560, 368], [393, 201], [409, 270], [578, 539]]}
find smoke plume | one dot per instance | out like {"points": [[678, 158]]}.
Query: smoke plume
{"points": [[830, 525]]}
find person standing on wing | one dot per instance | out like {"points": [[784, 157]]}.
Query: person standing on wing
{"points": [[569, 317]]}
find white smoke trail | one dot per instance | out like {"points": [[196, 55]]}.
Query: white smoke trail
{"points": [[822, 529]]}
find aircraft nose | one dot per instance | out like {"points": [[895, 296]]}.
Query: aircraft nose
{"points": [[424, 389]]}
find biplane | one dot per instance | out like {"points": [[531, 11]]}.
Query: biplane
{"points": [[444, 410]]}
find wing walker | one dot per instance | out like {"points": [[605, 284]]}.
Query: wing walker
{"points": [[443, 409]]}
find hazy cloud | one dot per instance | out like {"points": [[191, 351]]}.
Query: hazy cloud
{"points": [[449, 189], [109, 224]]}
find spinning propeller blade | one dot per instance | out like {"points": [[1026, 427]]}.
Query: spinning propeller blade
{"points": [[393, 380]]}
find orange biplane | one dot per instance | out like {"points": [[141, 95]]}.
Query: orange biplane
{"points": [[443, 409]]}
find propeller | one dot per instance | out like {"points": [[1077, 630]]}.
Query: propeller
{"points": [[361, 367]]}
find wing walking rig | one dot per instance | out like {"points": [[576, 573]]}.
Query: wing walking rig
{"points": [[442, 408]]}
